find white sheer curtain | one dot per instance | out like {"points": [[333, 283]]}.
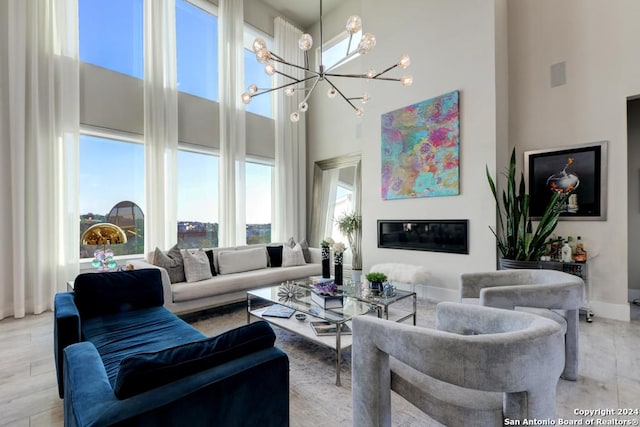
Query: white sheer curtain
{"points": [[160, 124], [290, 168], [328, 200], [39, 124], [232, 225]]}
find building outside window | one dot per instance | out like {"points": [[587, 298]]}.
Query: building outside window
{"points": [[112, 176]]}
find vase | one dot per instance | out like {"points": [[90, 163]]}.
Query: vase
{"points": [[356, 276], [337, 270], [326, 262], [375, 288]]}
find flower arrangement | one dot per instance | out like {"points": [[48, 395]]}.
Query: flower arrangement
{"points": [[338, 248], [327, 242]]}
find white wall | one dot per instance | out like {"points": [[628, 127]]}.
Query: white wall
{"points": [[452, 47], [598, 39]]}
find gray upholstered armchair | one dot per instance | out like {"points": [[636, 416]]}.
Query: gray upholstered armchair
{"points": [[478, 367], [548, 293]]}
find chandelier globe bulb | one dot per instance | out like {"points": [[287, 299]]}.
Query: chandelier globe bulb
{"points": [[290, 91], [404, 61], [259, 44], [354, 24], [263, 55], [406, 80], [306, 42], [269, 69], [294, 117], [332, 92], [246, 98], [367, 43]]}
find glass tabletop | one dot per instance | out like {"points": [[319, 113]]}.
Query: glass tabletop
{"points": [[362, 292], [298, 296]]}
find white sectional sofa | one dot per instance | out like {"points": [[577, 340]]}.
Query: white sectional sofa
{"points": [[226, 288]]}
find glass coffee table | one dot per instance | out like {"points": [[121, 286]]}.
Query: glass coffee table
{"points": [[354, 304]]}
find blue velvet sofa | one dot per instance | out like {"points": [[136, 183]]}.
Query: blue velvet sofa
{"points": [[123, 359]]}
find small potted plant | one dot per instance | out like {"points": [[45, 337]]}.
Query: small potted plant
{"points": [[376, 280]]}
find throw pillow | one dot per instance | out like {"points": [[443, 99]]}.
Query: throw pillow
{"points": [[292, 256], [196, 266], [237, 261], [212, 265], [144, 371], [305, 250], [275, 255], [172, 262]]}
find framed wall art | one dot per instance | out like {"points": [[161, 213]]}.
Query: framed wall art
{"points": [[420, 149], [581, 168]]}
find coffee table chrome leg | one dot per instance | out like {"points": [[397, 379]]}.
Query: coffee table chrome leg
{"points": [[338, 353], [248, 309], [415, 308]]}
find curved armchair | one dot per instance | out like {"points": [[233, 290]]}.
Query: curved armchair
{"points": [[478, 367], [549, 293]]}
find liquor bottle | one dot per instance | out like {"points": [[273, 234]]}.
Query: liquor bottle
{"points": [[572, 244], [566, 252], [580, 255]]}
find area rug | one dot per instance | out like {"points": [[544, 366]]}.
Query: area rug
{"points": [[315, 399]]}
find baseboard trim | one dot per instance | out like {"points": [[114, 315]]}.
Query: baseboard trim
{"points": [[601, 309], [438, 294], [611, 311]]}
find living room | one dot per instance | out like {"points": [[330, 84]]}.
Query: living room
{"points": [[501, 56]]}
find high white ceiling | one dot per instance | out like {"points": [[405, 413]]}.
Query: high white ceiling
{"points": [[303, 12]]}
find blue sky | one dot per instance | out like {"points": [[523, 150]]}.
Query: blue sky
{"points": [[111, 37]]}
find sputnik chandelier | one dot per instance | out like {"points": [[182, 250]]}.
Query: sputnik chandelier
{"points": [[366, 44]]}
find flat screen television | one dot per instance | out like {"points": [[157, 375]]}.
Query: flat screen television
{"points": [[425, 235]]}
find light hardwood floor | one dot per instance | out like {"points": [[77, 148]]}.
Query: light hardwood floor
{"points": [[609, 373]]}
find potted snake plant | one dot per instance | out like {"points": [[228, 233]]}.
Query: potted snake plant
{"points": [[520, 245]]}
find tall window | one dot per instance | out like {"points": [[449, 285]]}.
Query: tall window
{"points": [[254, 73], [110, 34], [258, 202], [197, 48], [336, 49], [197, 199], [111, 173]]}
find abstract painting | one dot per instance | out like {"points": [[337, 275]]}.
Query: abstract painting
{"points": [[420, 149]]}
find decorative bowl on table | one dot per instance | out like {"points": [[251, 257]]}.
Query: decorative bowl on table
{"points": [[301, 316]]}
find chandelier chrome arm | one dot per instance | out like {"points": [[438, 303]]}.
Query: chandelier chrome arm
{"points": [[365, 45]]}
